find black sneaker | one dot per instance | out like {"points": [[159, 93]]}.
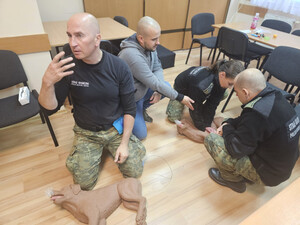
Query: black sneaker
{"points": [[147, 118], [214, 174]]}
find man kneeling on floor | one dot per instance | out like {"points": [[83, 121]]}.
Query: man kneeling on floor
{"points": [[261, 145]]}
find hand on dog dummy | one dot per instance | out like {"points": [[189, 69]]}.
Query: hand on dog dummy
{"points": [[93, 207]]}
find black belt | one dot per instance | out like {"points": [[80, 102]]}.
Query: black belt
{"points": [[95, 128]]}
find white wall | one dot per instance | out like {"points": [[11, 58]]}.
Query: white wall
{"points": [[17, 18], [57, 10]]}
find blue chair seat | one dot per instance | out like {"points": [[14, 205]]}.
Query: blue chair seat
{"points": [[209, 42]]}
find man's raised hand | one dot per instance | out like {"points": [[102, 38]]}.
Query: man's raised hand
{"points": [[58, 69]]}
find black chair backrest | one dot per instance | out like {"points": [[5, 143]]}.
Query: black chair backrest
{"points": [[232, 43], [121, 20], [284, 64], [67, 49], [201, 23], [296, 32], [277, 25], [12, 71], [104, 44]]}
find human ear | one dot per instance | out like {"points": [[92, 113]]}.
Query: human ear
{"points": [[140, 39], [246, 93], [222, 74], [98, 39]]}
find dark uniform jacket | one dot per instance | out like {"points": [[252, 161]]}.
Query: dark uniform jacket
{"points": [[267, 131], [204, 88]]}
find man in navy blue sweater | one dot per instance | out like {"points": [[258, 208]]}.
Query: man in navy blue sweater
{"points": [[261, 145]]}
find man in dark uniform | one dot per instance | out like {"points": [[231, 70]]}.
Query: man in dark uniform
{"points": [[261, 145], [207, 86]]}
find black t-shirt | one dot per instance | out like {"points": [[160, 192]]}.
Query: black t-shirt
{"points": [[101, 93]]}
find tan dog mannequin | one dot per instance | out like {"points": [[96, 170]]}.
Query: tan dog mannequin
{"points": [[93, 207]]}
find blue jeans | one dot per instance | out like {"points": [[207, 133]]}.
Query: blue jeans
{"points": [[140, 128]]}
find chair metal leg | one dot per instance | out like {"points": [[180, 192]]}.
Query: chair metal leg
{"points": [[70, 99], [263, 62], [213, 57], [51, 130], [219, 56], [210, 53], [227, 100], [291, 88], [189, 53], [258, 61], [201, 54], [42, 117]]}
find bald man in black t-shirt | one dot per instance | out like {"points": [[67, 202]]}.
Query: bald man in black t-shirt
{"points": [[101, 87]]}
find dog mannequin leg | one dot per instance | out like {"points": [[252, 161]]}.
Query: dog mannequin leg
{"points": [[102, 222], [141, 212]]}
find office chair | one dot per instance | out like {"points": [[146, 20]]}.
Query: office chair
{"points": [[11, 111], [284, 64], [116, 43], [201, 24], [122, 20], [234, 44], [104, 45], [296, 32], [273, 24], [277, 25]]}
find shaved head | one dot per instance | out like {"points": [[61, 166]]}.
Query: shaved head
{"points": [[84, 37], [148, 33], [87, 21], [145, 24], [251, 79]]}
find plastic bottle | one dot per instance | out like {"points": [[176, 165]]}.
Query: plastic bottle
{"points": [[254, 22]]}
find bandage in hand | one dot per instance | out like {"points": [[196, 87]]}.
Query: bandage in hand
{"points": [[177, 122], [49, 192]]}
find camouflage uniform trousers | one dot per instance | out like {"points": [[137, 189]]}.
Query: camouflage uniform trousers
{"points": [[231, 169], [175, 108], [85, 157]]}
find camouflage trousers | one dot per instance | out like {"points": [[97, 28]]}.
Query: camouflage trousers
{"points": [[85, 157], [175, 109], [231, 169]]}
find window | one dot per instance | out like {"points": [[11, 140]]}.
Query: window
{"points": [[287, 6]]}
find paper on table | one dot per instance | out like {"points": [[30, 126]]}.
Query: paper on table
{"points": [[246, 31]]}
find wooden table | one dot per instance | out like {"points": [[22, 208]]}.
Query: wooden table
{"points": [[109, 30], [282, 39]]}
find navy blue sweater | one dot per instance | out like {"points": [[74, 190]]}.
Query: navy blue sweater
{"points": [[267, 131]]}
